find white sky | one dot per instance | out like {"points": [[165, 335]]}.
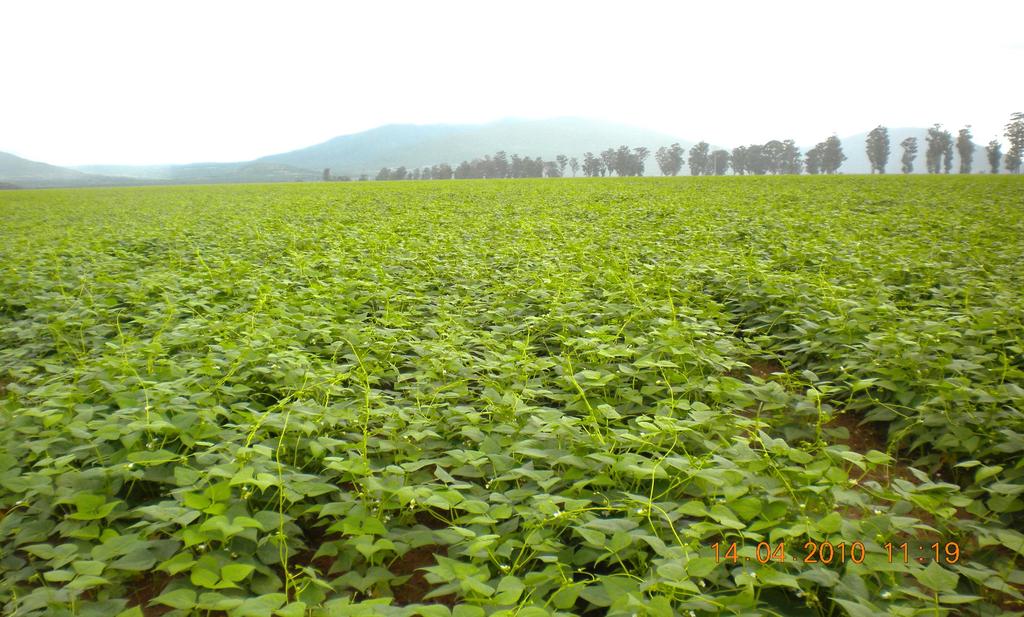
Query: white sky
{"points": [[170, 82]]}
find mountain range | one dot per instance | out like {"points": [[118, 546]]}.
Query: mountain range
{"points": [[413, 146]]}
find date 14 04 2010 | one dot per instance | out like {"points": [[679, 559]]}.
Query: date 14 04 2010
{"points": [[828, 552]]}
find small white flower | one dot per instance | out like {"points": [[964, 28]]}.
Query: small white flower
{"points": [[886, 595]]}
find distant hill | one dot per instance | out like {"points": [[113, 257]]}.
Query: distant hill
{"points": [[23, 173], [419, 146], [414, 146], [6, 186], [208, 173]]}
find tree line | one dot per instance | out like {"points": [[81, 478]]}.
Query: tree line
{"points": [[774, 157]]}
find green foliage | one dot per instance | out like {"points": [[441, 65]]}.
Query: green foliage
{"points": [[909, 146], [699, 159], [1015, 135], [532, 398], [939, 155], [994, 151], [670, 159], [965, 148], [877, 145]]}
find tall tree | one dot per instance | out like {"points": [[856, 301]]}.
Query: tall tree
{"points": [[562, 162], [773, 151], [699, 159], [939, 155], [515, 167], [502, 167], [608, 157], [790, 161], [720, 162], [739, 160], [639, 157], [878, 148], [832, 157], [757, 162], [1015, 135], [444, 172], [995, 152], [593, 166], [574, 165], [909, 146], [814, 159], [965, 148], [947, 153], [624, 161], [327, 174], [670, 160]]}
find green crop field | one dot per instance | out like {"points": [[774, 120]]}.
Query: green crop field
{"points": [[678, 396]]}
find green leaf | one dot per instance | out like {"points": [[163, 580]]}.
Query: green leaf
{"points": [[861, 608], [201, 577], [156, 457], [701, 566], [138, 560], [294, 609], [509, 590], [235, 572], [262, 606], [725, 517], [937, 578], [831, 523], [179, 598]]}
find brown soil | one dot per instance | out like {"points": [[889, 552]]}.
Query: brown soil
{"points": [[144, 589], [765, 368], [862, 436], [416, 587], [432, 518], [762, 369]]}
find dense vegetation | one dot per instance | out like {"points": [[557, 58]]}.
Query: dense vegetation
{"points": [[514, 398]]}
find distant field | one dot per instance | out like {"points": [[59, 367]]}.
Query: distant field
{"points": [[692, 396]]}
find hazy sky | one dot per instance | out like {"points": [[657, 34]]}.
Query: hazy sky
{"points": [[161, 82]]}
